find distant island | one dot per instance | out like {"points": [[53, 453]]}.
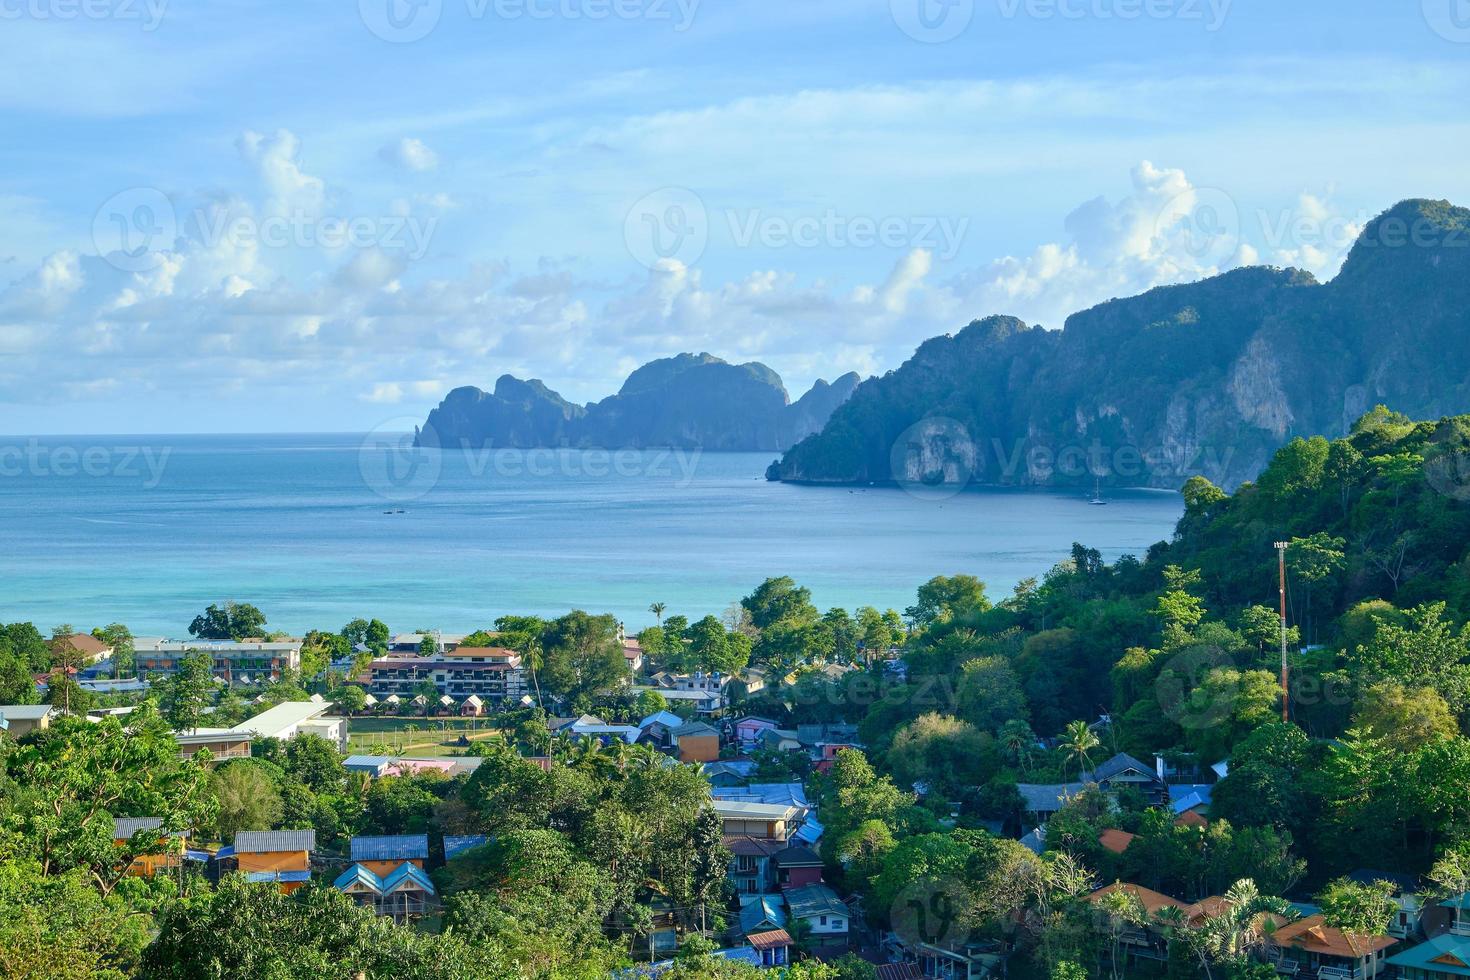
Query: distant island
{"points": [[691, 401], [1209, 378]]}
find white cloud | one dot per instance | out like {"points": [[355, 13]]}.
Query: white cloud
{"points": [[223, 317], [276, 160], [384, 393], [409, 153]]}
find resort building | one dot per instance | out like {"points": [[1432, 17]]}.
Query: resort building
{"points": [[491, 674], [244, 663]]}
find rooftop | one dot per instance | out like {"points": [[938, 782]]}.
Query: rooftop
{"points": [[396, 848], [274, 841], [25, 712], [1313, 935], [1448, 954], [740, 810], [814, 900], [271, 722], [775, 939], [1151, 900]]}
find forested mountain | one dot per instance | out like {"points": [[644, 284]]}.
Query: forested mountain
{"points": [[689, 401], [1208, 378], [1178, 649]]}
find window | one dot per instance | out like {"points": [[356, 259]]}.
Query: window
{"points": [[824, 920]]}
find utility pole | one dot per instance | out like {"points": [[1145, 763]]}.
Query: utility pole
{"points": [[1281, 547]]}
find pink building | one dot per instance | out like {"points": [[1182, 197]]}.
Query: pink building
{"points": [[749, 728]]}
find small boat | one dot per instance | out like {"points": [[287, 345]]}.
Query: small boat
{"points": [[1097, 499]]}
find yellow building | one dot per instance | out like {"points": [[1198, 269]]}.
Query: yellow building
{"points": [[166, 850], [281, 856]]}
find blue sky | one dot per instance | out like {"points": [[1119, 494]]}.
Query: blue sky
{"points": [[335, 212]]}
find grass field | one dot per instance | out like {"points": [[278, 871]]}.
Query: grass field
{"points": [[415, 736]]}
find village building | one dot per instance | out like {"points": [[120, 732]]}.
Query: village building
{"points": [[22, 719], [279, 856]]}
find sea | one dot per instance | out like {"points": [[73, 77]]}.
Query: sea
{"points": [[317, 530]]}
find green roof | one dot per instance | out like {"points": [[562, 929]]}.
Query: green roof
{"points": [[1427, 956]]}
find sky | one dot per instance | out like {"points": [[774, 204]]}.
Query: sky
{"points": [[302, 215]]}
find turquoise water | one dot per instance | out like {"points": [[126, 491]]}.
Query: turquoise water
{"points": [[149, 530]]}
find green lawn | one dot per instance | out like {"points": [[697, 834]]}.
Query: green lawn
{"points": [[415, 736]]}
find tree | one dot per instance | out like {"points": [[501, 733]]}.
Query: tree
{"points": [[350, 699], [1405, 718], [17, 685], [66, 660], [1123, 911], [946, 596], [1019, 743], [315, 762], [779, 600], [183, 696], [1357, 908], [58, 927], [248, 798], [1236, 931], [120, 639], [233, 621], [582, 657], [990, 694], [252, 932], [1315, 560], [369, 633], [657, 608], [66, 783], [710, 861], [1180, 610], [1076, 742], [1427, 649], [319, 649]]}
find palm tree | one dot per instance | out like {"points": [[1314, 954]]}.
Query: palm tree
{"points": [[1077, 741], [1017, 740], [657, 608], [1243, 923]]}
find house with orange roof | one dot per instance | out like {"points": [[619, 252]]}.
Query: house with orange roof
{"points": [[1115, 840], [1311, 948]]}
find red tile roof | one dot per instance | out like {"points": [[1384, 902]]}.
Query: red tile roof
{"points": [[774, 939], [1115, 840]]}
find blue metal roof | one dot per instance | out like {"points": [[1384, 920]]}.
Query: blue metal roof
{"points": [[371, 763], [278, 876], [1438, 955], [455, 846], [406, 847], [357, 874], [410, 877]]}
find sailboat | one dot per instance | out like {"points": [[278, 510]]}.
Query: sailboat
{"points": [[1097, 499]]}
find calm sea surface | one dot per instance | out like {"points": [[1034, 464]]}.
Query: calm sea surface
{"points": [[317, 530]]}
